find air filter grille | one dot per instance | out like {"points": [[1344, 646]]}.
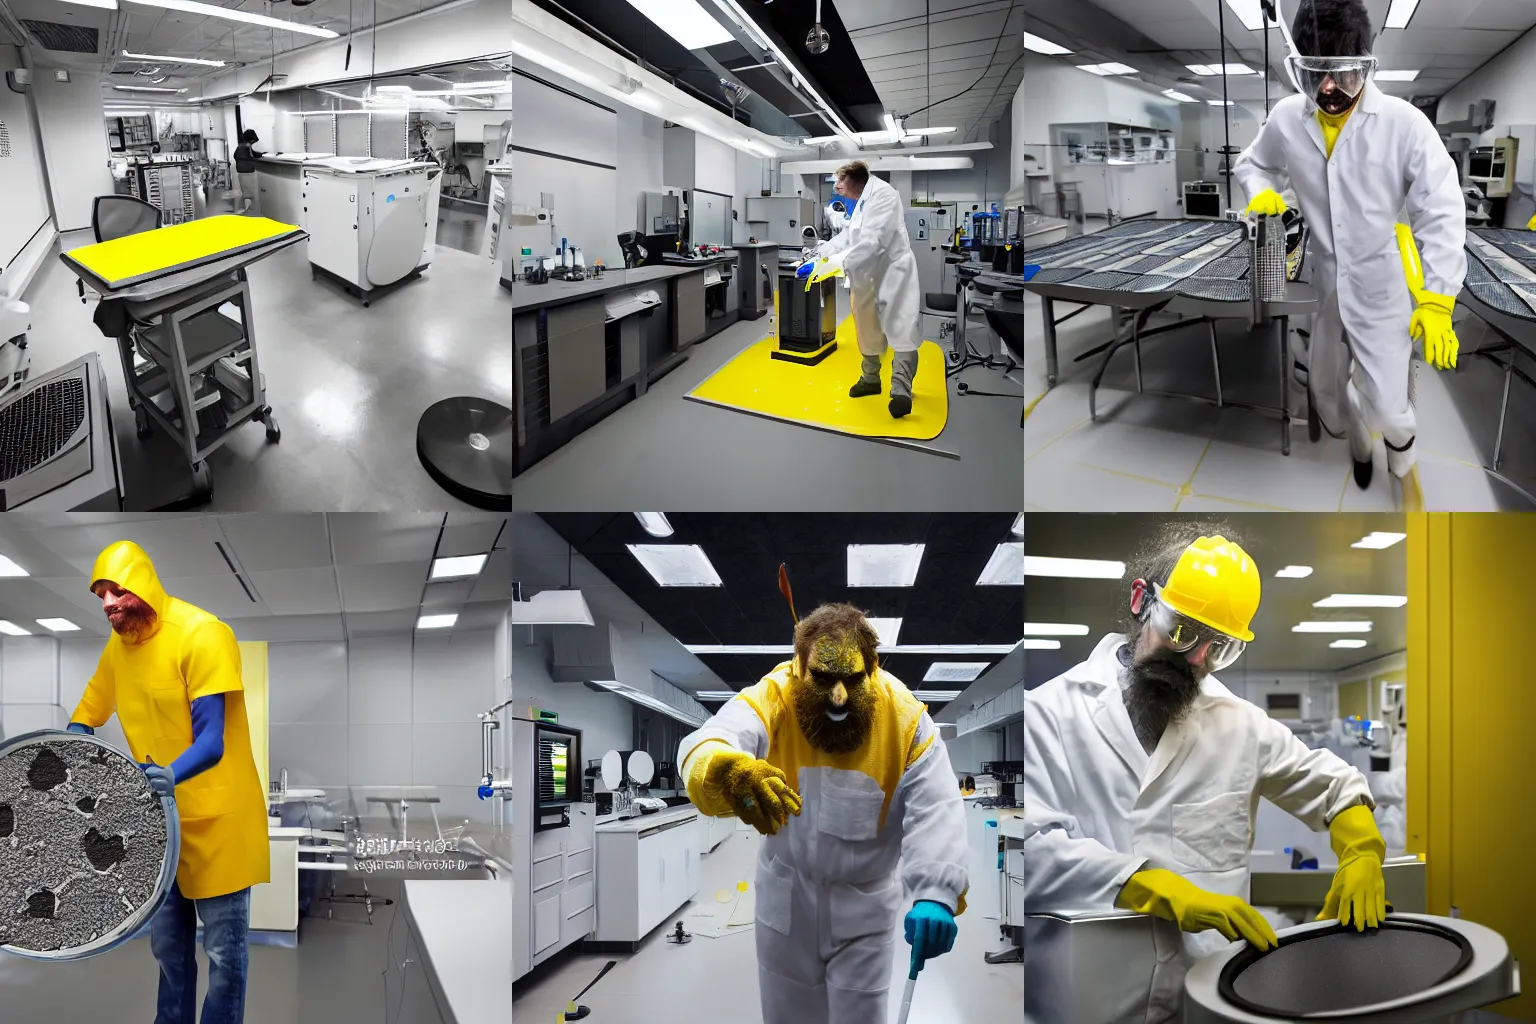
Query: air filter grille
{"points": [[39, 424], [51, 35]]}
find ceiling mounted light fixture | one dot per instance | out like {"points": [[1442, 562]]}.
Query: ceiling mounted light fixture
{"points": [[1378, 540], [817, 40], [1400, 13], [552, 608], [144, 88], [58, 625], [1073, 568], [1361, 601], [1031, 644], [954, 671], [1331, 627], [108, 5], [1294, 572], [437, 621], [655, 523], [235, 14], [10, 568], [1174, 94], [1105, 70], [1347, 644], [11, 629], [457, 567], [1006, 566], [1395, 76], [1045, 46], [152, 59], [676, 565], [1205, 70], [884, 565], [685, 21]]}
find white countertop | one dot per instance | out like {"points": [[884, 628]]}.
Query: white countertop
{"points": [[612, 823], [364, 165], [466, 943]]}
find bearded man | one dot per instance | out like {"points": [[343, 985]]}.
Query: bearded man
{"points": [[839, 765]]}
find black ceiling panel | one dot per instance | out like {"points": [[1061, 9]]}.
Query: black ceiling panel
{"points": [[945, 606]]}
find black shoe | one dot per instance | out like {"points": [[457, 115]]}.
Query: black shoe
{"points": [[900, 405], [1363, 474], [864, 388]]}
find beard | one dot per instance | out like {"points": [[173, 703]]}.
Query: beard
{"points": [[1334, 103], [132, 618], [811, 707], [1162, 689]]}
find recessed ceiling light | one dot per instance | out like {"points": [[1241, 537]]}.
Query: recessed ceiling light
{"points": [[144, 88], [1017, 529], [884, 565], [886, 629], [676, 565], [1248, 12], [437, 621], [110, 5], [1073, 568], [11, 629], [1395, 76], [936, 696], [1361, 601], [1105, 70], [1220, 103], [58, 625], [954, 671], [1031, 644], [685, 21], [1294, 572], [1054, 629], [1174, 94], [234, 14], [1331, 627], [552, 608], [457, 566], [10, 568], [1205, 70], [1348, 644], [173, 60], [1378, 540], [1006, 566], [655, 523], [1400, 13], [1045, 46]]}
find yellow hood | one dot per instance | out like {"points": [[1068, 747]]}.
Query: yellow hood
{"points": [[126, 564]]}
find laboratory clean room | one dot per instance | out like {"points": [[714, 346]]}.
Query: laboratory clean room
{"points": [[248, 258], [1266, 778], [329, 837], [1281, 255], [703, 818], [754, 240]]}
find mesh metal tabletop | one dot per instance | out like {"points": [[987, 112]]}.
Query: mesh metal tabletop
{"points": [[1501, 270], [1201, 259]]}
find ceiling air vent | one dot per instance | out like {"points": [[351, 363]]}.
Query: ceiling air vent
{"points": [[63, 38], [5, 141]]}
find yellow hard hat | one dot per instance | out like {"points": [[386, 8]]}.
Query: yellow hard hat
{"points": [[1217, 584]]}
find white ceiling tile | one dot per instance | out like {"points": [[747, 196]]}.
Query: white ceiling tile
{"points": [[370, 537], [221, 595], [377, 588], [262, 543], [298, 591], [290, 627], [380, 623]]}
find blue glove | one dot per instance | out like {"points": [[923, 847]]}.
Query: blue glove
{"points": [[806, 268], [80, 727], [930, 929], [161, 779]]}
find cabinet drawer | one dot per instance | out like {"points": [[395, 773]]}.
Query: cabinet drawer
{"points": [[546, 924], [573, 316], [578, 899], [547, 871], [578, 865]]}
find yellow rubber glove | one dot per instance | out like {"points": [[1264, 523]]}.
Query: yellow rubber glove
{"points": [[1175, 898], [1266, 203], [1431, 322], [1359, 891], [1532, 225], [832, 266], [757, 792]]}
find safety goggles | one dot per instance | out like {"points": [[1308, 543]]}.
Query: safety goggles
{"points": [[1185, 635], [1348, 75]]}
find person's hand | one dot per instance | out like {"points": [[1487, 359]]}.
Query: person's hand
{"points": [[832, 266], [1431, 322], [1267, 203], [80, 727], [930, 931], [1359, 891], [161, 778], [759, 792], [1175, 898]]}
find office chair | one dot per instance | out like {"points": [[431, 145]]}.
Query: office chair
{"points": [[118, 216]]}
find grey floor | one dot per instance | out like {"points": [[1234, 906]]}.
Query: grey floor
{"points": [[1151, 453], [665, 981], [347, 384], [336, 975], [461, 227], [664, 451]]}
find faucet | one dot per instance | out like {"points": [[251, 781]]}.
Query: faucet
{"points": [[490, 785]]}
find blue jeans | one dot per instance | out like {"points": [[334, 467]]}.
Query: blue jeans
{"points": [[173, 938]]}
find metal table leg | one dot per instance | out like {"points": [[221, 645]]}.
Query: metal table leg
{"points": [[1498, 443], [1215, 361], [1109, 353], [1285, 384], [1136, 343], [1048, 309]]}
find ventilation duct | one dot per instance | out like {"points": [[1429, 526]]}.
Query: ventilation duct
{"points": [[583, 654], [51, 35]]}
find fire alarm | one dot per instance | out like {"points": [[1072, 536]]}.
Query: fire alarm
{"points": [[60, 75]]}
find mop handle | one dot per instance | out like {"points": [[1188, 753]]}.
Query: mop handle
{"points": [[906, 997]]}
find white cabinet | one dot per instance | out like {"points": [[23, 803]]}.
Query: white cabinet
{"points": [[554, 890], [646, 870]]}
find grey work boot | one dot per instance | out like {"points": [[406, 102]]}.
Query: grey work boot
{"points": [[903, 369], [869, 383]]}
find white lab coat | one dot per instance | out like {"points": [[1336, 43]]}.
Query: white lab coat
{"points": [[832, 884], [1390, 788], [1387, 159], [881, 270], [1097, 809]]}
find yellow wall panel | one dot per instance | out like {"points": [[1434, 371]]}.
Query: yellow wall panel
{"points": [[1353, 699], [253, 673]]}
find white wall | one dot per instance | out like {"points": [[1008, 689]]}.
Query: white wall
{"points": [[24, 229], [1016, 148], [1509, 79], [604, 719], [967, 753], [74, 144]]}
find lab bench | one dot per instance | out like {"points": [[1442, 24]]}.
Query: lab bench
{"points": [[647, 869], [583, 349], [457, 953]]}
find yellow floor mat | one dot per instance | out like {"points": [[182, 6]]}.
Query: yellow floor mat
{"points": [[124, 261], [817, 396]]}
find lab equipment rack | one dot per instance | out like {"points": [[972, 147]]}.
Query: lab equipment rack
{"points": [[166, 185]]}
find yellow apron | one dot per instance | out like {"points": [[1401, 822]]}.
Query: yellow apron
{"points": [[151, 684]]}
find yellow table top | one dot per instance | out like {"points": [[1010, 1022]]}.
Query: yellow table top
{"points": [[133, 258]]}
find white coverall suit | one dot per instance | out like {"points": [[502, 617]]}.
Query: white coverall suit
{"points": [[1390, 788], [830, 884], [1388, 158], [882, 275], [1097, 808]]}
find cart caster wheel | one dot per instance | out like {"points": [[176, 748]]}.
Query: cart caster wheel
{"points": [[202, 480], [366, 303], [141, 424], [274, 432]]}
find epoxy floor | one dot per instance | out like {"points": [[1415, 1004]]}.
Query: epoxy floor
{"points": [[669, 982], [347, 384], [1149, 453], [662, 450]]}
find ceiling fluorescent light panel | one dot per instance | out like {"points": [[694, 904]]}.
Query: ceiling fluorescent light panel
{"points": [[676, 565]]}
